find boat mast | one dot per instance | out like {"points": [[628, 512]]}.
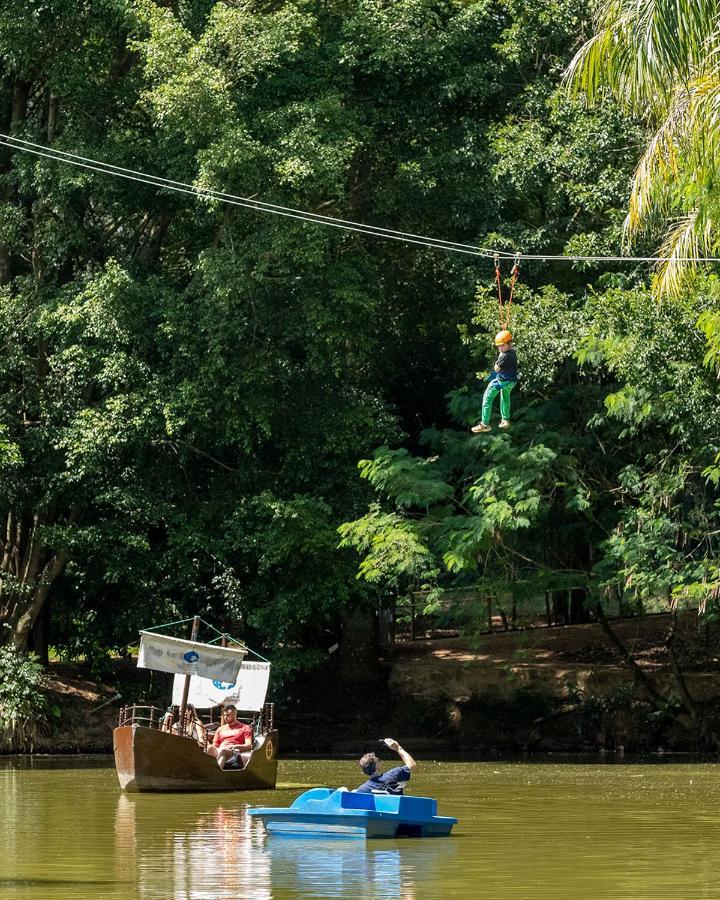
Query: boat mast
{"points": [[186, 687]]}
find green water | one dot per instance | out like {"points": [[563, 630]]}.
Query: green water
{"points": [[527, 831]]}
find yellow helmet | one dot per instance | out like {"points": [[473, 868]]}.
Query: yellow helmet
{"points": [[502, 337]]}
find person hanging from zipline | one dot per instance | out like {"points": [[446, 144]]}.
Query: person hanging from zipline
{"points": [[504, 376], [502, 381]]}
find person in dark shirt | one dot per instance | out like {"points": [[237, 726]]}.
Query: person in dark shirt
{"points": [[390, 782], [502, 381]]}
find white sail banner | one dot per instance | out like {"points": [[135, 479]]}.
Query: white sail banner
{"points": [[247, 692], [169, 654]]}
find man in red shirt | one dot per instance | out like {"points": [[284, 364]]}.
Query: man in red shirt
{"points": [[231, 738]]}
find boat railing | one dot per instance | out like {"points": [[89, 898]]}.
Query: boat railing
{"points": [[162, 720], [147, 716], [167, 720]]}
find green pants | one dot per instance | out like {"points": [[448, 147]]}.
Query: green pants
{"points": [[491, 391]]}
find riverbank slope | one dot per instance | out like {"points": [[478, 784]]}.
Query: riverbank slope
{"points": [[543, 689]]}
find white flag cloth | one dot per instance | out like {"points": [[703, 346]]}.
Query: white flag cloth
{"points": [[248, 692], [169, 654]]}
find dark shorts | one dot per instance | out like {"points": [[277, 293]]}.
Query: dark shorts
{"points": [[235, 761]]}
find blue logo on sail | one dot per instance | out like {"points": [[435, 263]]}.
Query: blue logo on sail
{"points": [[191, 656]]}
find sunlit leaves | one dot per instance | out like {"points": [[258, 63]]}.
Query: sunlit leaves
{"points": [[643, 47], [410, 481], [458, 526], [393, 548], [659, 58], [611, 474]]}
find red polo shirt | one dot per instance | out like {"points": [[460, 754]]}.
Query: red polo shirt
{"points": [[232, 735]]}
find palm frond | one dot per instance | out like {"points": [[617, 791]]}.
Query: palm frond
{"points": [[658, 166], [643, 49], [661, 59], [691, 237]]}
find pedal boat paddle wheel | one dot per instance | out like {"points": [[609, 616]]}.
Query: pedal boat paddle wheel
{"points": [[154, 749]]}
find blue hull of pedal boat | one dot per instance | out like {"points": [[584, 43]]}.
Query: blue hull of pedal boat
{"points": [[322, 812]]}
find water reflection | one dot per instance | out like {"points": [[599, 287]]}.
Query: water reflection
{"points": [[223, 853], [352, 868], [213, 855]]}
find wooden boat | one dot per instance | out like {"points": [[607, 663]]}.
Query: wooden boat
{"points": [[152, 750], [149, 759]]}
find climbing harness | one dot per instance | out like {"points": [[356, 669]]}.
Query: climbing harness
{"points": [[505, 309]]}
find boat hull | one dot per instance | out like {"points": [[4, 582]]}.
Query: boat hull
{"points": [[364, 826], [324, 813], [150, 760]]}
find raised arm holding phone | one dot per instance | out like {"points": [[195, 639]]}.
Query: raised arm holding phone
{"points": [[392, 781]]}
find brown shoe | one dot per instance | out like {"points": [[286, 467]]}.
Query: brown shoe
{"points": [[481, 426], [505, 423]]}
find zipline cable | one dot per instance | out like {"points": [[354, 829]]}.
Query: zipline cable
{"points": [[103, 168], [247, 202]]}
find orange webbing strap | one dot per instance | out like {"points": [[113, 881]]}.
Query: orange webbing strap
{"points": [[498, 281], [514, 275]]}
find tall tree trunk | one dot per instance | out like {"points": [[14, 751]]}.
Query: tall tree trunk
{"points": [[28, 612], [639, 676], [358, 661], [39, 641], [685, 696], [20, 94], [28, 571], [579, 613], [152, 241], [52, 119]]}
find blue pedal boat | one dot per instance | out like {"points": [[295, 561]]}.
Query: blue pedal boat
{"points": [[323, 812]]}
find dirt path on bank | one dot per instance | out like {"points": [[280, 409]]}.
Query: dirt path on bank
{"points": [[576, 645], [561, 660]]}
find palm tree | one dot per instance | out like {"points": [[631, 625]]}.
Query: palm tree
{"points": [[661, 60]]}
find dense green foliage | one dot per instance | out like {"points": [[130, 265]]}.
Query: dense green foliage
{"points": [[22, 703], [187, 386], [605, 482]]}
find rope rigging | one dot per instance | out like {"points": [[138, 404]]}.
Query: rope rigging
{"points": [[505, 309]]}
